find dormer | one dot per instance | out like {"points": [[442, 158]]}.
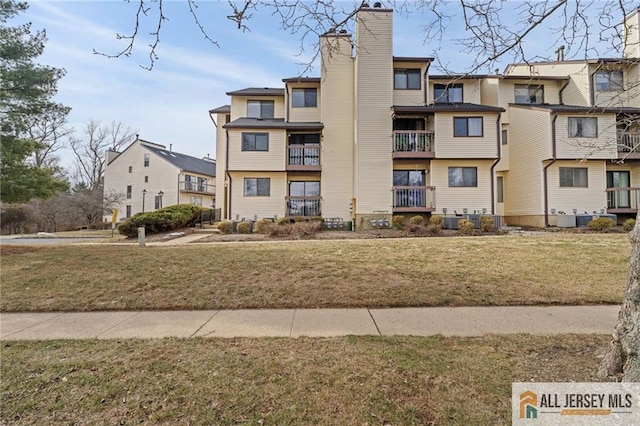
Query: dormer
{"points": [[302, 99], [410, 80], [451, 89], [261, 103]]}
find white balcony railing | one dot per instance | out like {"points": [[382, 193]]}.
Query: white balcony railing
{"points": [[629, 142], [418, 141], [197, 187]]}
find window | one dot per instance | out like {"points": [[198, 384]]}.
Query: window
{"points": [[130, 169], [529, 94], [305, 199], [463, 176], [202, 185], [257, 187], [406, 79], [128, 191], [195, 200], [609, 80], [583, 127], [304, 98], [467, 126], [408, 178], [260, 109], [255, 141], [500, 189], [304, 138], [158, 202], [146, 160], [443, 93], [574, 177], [128, 210], [505, 137], [146, 179]]}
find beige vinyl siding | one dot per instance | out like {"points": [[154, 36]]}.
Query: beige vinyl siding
{"points": [[490, 92], [304, 114], [471, 89], [604, 146], [374, 97], [529, 145], [508, 87], [409, 97], [505, 158], [472, 198], [633, 92], [337, 115], [274, 159], [499, 210], [221, 159], [239, 105], [590, 199], [448, 146], [262, 206], [576, 92]]}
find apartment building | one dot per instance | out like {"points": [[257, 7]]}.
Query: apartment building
{"points": [[150, 177], [377, 135]]}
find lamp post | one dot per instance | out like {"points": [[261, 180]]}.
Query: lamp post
{"points": [[160, 194], [144, 194]]}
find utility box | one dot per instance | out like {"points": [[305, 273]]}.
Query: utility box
{"points": [[566, 221]]}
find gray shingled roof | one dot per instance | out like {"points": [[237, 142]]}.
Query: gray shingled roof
{"points": [[257, 91], [580, 108], [271, 123], [224, 109], [185, 162], [302, 80], [447, 107], [411, 59]]}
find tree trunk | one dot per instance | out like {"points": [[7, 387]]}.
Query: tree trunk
{"points": [[623, 354]]}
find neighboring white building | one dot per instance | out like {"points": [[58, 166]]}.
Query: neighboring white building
{"points": [[150, 177]]}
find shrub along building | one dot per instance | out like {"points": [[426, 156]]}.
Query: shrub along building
{"points": [[377, 135], [152, 177]]}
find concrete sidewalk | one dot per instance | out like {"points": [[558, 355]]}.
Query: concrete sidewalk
{"points": [[309, 322]]}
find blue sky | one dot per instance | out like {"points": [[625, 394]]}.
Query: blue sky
{"points": [[169, 105]]}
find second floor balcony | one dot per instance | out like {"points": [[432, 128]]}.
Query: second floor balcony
{"points": [[413, 144], [408, 199], [628, 144], [197, 187], [304, 158]]}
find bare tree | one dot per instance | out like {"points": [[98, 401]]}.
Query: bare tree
{"points": [[50, 131], [89, 149], [495, 31]]}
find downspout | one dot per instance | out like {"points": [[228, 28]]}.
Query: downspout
{"points": [[544, 171], [227, 199], [495, 163], [286, 118]]}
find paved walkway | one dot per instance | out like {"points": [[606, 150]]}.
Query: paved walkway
{"points": [[309, 322]]}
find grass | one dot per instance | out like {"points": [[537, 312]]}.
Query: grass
{"points": [[350, 380], [500, 270]]}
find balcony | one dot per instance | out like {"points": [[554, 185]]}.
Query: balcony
{"points": [[303, 206], [413, 199], [199, 188], [628, 144], [622, 200], [413, 144], [304, 158]]}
